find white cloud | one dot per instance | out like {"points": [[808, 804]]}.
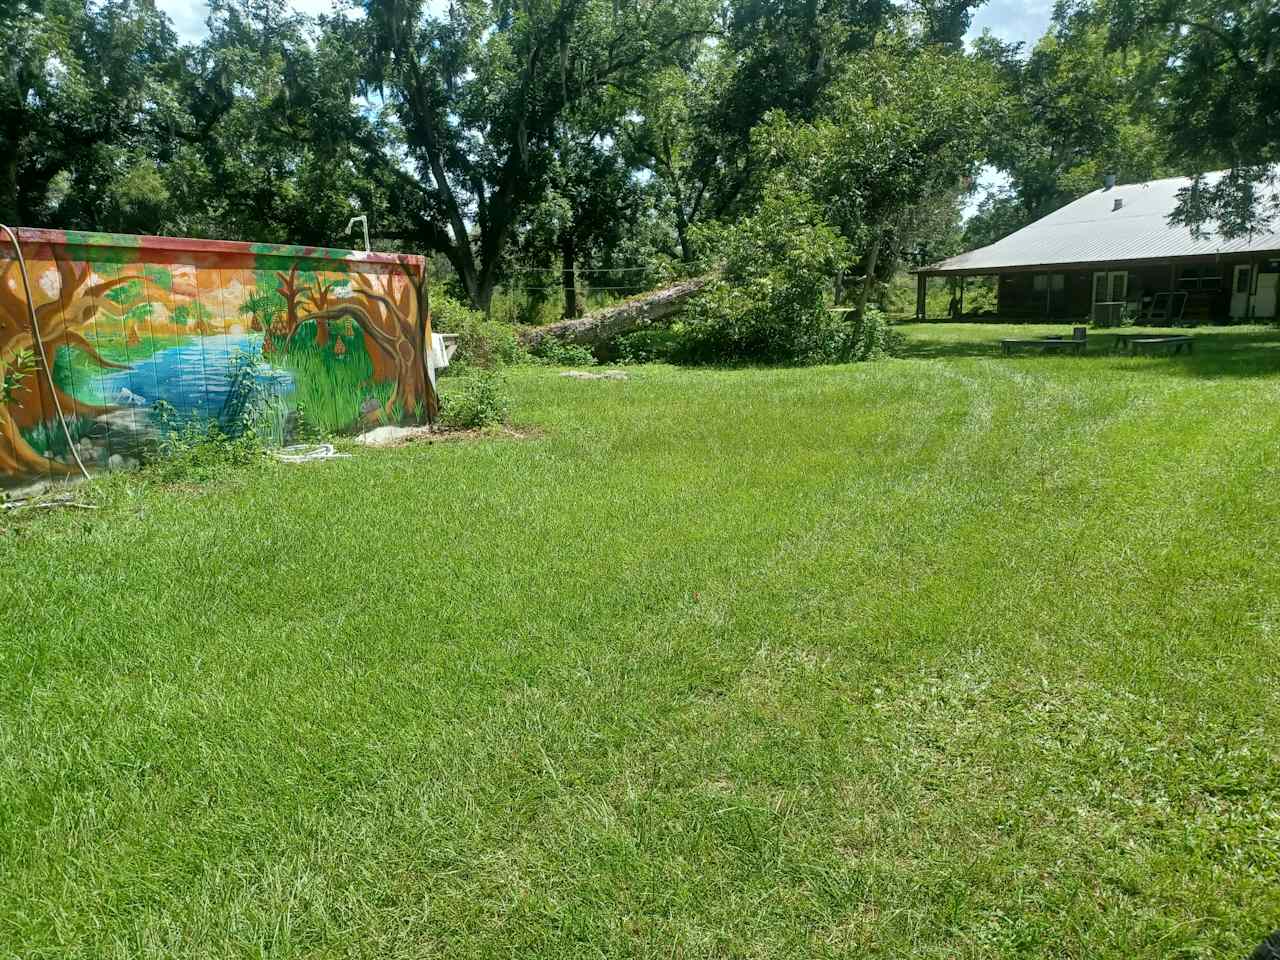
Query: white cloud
{"points": [[1013, 20], [189, 16]]}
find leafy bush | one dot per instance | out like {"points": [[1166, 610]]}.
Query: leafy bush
{"points": [[302, 428], [482, 343], [449, 315], [192, 451], [479, 399], [769, 304], [558, 353], [874, 337], [651, 345], [532, 301]]}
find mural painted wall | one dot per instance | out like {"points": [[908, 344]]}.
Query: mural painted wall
{"points": [[149, 334]]}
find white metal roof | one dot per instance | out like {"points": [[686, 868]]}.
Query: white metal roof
{"points": [[1091, 230]]}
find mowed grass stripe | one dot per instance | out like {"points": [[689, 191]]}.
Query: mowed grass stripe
{"points": [[837, 661]]}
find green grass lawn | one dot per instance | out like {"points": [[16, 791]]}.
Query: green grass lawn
{"points": [[950, 656]]}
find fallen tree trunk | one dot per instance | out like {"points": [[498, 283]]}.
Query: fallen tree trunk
{"points": [[600, 325]]}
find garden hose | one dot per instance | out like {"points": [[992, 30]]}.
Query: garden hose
{"points": [[308, 452], [44, 358]]}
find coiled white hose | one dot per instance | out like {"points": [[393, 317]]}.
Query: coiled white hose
{"points": [[307, 452]]}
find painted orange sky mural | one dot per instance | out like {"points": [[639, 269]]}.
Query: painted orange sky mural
{"points": [[148, 334]]}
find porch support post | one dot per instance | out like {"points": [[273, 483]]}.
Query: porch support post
{"points": [[921, 282], [1253, 289], [963, 280]]}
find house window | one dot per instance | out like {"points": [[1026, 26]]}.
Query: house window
{"points": [[1200, 278]]}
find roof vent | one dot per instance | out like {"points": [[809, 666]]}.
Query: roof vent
{"points": [[1119, 202], [1108, 181]]}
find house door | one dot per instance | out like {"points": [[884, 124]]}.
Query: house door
{"points": [[1264, 299], [1241, 284], [1051, 291], [1110, 287], [1057, 295]]}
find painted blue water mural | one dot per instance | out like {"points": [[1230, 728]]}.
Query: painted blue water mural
{"points": [[196, 377]]}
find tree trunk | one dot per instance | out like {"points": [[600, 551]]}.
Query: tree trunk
{"points": [[600, 325], [471, 284], [482, 295], [873, 256], [568, 279], [682, 232]]}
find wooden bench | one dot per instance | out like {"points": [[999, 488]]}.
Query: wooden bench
{"points": [[1072, 344], [1148, 344]]}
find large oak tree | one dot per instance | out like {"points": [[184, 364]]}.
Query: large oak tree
{"points": [[483, 90]]}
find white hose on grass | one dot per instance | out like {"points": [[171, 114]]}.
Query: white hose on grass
{"points": [[308, 452]]}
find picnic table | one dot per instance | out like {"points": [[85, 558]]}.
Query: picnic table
{"points": [[1072, 344], [1151, 343]]}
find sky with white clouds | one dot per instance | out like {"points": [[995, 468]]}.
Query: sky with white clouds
{"points": [[188, 16], [1020, 20]]}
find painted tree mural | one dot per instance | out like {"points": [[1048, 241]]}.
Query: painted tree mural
{"points": [[131, 323], [62, 312], [391, 313]]}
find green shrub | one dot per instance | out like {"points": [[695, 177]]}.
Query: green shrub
{"points": [[301, 428], [449, 315], [482, 343], [558, 353], [479, 399], [189, 451], [535, 301], [769, 304], [873, 338], [651, 345]]}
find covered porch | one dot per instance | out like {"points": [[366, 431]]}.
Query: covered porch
{"points": [[1185, 290]]}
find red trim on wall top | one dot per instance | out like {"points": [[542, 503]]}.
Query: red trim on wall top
{"points": [[39, 243]]}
